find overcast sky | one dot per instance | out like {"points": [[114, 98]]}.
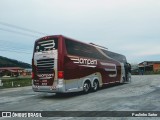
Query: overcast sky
{"points": [[129, 27]]}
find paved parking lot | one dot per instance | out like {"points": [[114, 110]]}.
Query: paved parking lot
{"points": [[142, 94]]}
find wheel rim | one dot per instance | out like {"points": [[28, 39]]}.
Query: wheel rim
{"points": [[95, 85], [86, 87]]}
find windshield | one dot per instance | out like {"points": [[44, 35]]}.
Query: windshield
{"points": [[46, 45]]}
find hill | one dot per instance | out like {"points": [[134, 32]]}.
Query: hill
{"points": [[6, 62]]}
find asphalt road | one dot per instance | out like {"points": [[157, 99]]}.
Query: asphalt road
{"points": [[142, 94]]}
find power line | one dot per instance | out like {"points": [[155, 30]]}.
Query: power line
{"points": [[7, 46], [21, 28], [12, 45], [17, 49], [14, 51], [12, 31]]}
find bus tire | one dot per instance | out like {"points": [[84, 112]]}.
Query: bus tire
{"points": [[95, 85], [86, 87]]}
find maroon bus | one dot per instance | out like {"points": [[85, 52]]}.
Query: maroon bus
{"points": [[61, 64]]}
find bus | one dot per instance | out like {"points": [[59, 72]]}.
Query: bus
{"points": [[61, 65]]}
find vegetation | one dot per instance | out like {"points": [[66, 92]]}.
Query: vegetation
{"points": [[6, 62], [151, 72], [16, 82], [138, 72]]}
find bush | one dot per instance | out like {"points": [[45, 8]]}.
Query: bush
{"points": [[16, 82], [151, 72]]}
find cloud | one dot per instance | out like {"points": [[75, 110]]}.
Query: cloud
{"points": [[152, 52], [129, 27]]}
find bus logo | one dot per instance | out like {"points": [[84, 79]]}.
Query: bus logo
{"points": [[84, 62], [45, 75]]}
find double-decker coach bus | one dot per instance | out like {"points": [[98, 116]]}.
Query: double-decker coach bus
{"points": [[61, 65]]}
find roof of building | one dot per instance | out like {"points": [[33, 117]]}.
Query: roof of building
{"points": [[148, 63], [11, 68], [13, 71]]}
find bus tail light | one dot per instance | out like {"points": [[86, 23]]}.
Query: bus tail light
{"points": [[60, 74], [32, 75]]}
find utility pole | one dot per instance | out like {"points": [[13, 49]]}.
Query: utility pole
{"points": [[145, 63]]}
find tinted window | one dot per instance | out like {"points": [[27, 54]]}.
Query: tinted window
{"points": [[84, 50], [115, 56]]}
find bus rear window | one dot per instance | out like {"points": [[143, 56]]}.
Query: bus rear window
{"points": [[46, 45]]}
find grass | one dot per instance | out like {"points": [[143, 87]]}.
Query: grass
{"points": [[16, 82]]}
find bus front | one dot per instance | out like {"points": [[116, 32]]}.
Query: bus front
{"points": [[45, 76]]}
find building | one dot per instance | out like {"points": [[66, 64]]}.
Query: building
{"points": [[27, 71], [149, 66], [13, 71]]}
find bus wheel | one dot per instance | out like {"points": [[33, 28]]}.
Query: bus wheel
{"points": [[95, 85], [86, 87]]}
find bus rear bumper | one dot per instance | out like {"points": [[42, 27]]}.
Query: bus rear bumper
{"points": [[49, 89]]}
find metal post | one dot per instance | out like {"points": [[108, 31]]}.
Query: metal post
{"points": [[145, 63], [12, 83], [1, 84]]}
